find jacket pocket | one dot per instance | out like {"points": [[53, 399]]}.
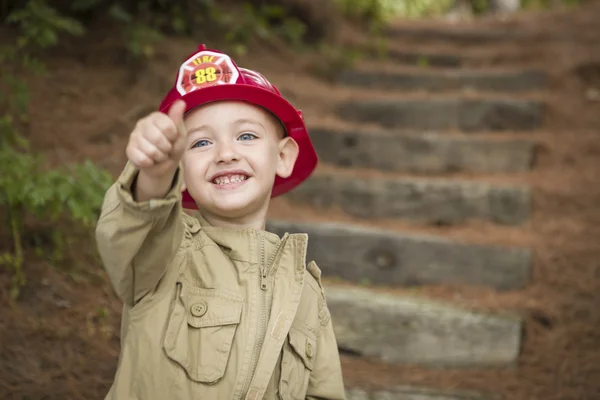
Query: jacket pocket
{"points": [[297, 362], [200, 331]]}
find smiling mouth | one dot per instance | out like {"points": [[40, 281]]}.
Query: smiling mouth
{"points": [[229, 179]]}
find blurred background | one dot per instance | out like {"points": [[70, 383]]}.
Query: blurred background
{"points": [[455, 212]]}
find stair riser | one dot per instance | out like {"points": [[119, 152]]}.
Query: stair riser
{"points": [[362, 255], [513, 82], [421, 201], [426, 59], [410, 331], [447, 114], [421, 153], [457, 37], [408, 393]]}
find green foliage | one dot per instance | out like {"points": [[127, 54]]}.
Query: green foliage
{"points": [[480, 7], [15, 96], [141, 40], [27, 187], [423, 62], [41, 24], [423, 8], [548, 4], [265, 22], [141, 35], [49, 194], [145, 22], [376, 13], [373, 12], [29, 191], [334, 59]]}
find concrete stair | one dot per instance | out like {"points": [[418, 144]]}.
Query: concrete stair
{"points": [[446, 80], [422, 153], [452, 46], [358, 254], [463, 36], [434, 135], [427, 58], [454, 113], [428, 201], [409, 330], [414, 393]]}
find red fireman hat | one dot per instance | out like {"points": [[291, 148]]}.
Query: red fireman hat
{"points": [[209, 75]]}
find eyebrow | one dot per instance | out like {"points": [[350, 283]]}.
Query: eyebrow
{"points": [[249, 121], [241, 121], [199, 128]]}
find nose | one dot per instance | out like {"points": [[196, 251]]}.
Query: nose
{"points": [[226, 152]]}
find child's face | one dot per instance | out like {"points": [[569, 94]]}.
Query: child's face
{"points": [[234, 151]]}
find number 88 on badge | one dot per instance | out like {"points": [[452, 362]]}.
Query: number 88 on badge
{"points": [[205, 69]]}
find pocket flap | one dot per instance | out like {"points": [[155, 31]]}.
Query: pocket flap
{"points": [[304, 344], [212, 307]]}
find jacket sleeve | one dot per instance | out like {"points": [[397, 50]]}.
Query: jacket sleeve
{"points": [[137, 241], [326, 380]]}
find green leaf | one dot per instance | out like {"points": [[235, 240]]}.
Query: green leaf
{"points": [[119, 13], [84, 5]]}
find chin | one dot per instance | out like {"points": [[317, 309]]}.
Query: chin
{"points": [[232, 208], [234, 205]]}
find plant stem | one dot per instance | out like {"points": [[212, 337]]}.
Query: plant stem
{"points": [[17, 262]]}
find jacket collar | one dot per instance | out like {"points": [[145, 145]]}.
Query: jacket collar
{"points": [[247, 244]]}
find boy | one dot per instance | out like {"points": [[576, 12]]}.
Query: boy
{"points": [[216, 307]]}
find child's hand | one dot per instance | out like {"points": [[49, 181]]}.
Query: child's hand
{"points": [[156, 146], [157, 142]]}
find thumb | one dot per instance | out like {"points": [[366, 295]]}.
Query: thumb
{"points": [[176, 112]]}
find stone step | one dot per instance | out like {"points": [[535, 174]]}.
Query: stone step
{"points": [[426, 58], [409, 330], [414, 393], [430, 56], [467, 115], [469, 36], [358, 254], [466, 80], [421, 153], [426, 201]]}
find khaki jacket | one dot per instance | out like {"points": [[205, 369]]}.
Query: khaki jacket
{"points": [[213, 313]]}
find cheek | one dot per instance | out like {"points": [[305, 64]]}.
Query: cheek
{"points": [[193, 166], [265, 159]]}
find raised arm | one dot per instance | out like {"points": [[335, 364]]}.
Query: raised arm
{"points": [[140, 228]]}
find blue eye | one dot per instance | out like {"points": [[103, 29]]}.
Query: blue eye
{"points": [[201, 143], [247, 136]]}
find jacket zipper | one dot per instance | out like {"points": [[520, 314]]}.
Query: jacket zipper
{"points": [[262, 321]]}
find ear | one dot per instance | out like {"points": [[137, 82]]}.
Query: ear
{"points": [[288, 153]]}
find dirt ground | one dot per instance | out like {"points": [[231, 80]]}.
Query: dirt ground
{"points": [[60, 340]]}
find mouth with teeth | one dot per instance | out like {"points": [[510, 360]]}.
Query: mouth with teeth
{"points": [[230, 181]]}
